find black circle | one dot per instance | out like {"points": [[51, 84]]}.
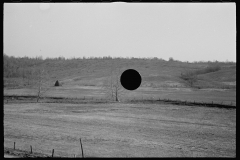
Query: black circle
{"points": [[130, 79]]}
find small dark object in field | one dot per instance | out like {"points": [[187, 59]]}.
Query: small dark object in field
{"points": [[52, 152], [56, 83]]}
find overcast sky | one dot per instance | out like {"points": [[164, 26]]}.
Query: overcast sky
{"points": [[184, 31]]}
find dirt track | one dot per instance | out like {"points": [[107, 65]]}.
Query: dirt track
{"points": [[121, 130]]}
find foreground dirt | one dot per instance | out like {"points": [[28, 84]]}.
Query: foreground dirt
{"points": [[121, 130], [10, 156], [16, 153]]}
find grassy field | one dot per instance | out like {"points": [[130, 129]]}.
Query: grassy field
{"points": [[155, 73], [94, 92], [121, 129]]}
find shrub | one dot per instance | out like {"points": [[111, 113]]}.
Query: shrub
{"points": [[190, 78], [57, 83], [171, 59]]}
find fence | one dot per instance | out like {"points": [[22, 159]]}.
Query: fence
{"points": [[30, 153], [90, 99]]}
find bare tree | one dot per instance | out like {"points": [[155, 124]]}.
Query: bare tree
{"points": [[112, 86], [189, 78], [43, 83]]}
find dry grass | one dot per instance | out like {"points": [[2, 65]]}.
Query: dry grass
{"points": [[93, 71], [94, 92], [121, 130]]}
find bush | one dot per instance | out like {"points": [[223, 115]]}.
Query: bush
{"points": [[190, 78], [57, 83]]}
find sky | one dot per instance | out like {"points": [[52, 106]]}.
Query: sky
{"points": [[183, 31]]}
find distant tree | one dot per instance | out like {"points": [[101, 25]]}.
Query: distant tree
{"points": [[43, 84], [190, 78], [171, 59], [112, 85]]}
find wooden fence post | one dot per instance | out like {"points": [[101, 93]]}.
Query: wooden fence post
{"points": [[14, 145], [81, 148], [31, 149], [52, 152]]}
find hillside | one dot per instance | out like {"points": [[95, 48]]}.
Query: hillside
{"points": [[156, 73]]}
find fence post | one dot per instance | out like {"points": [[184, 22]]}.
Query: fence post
{"points": [[31, 149], [81, 148], [52, 152], [14, 146]]}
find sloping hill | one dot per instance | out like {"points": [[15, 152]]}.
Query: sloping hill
{"points": [[226, 74], [19, 72], [224, 78]]}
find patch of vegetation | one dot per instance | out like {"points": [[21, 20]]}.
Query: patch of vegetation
{"points": [[23, 72], [191, 77], [211, 68]]}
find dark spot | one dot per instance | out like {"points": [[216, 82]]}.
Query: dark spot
{"points": [[130, 79]]}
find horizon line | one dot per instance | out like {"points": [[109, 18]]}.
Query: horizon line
{"points": [[40, 57]]}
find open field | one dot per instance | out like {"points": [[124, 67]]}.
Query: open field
{"points": [[121, 129], [80, 108], [93, 92]]}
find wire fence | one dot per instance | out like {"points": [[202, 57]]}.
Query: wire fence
{"points": [[34, 153], [137, 99]]}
